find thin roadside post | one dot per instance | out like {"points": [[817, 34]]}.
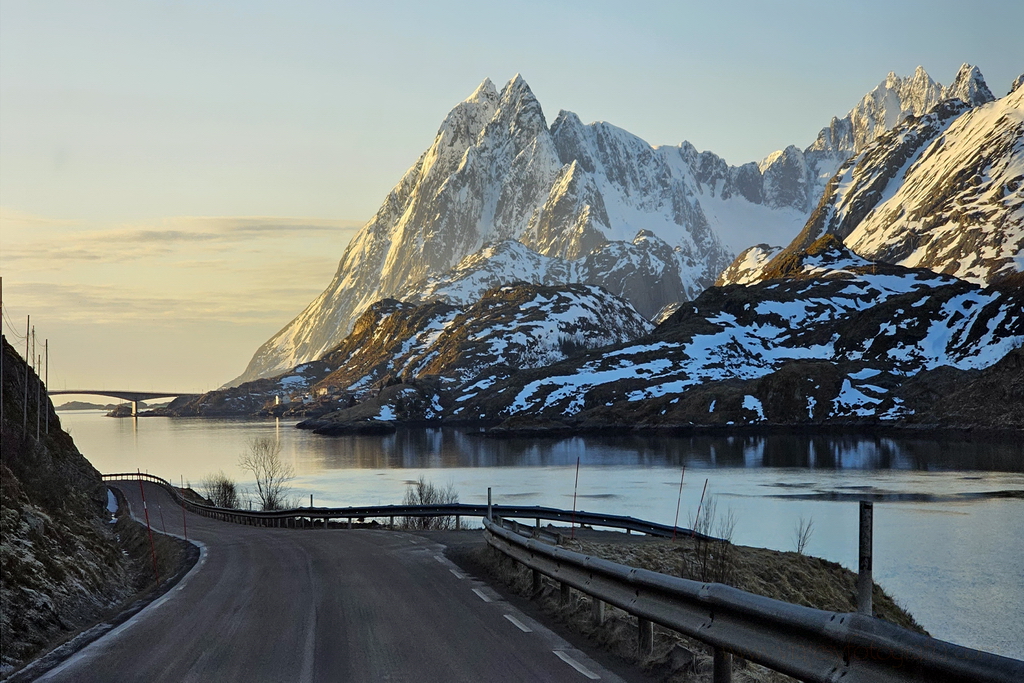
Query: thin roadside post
{"points": [[699, 506], [864, 581], [572, 534], [152, 547], [184, 520], [675, 525]]}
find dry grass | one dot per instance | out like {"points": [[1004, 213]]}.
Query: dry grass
{"points": [[784, 576]]}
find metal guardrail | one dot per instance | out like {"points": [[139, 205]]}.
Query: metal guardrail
{"points": [[299, 517], [809, 644]]}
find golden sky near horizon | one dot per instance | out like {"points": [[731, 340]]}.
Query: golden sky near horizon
{"points": [[142, 301]]}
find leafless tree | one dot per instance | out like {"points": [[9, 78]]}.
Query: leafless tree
{"points": [[802, 534], [424, 492], [220, 490], [711, 560], [263, 459]]}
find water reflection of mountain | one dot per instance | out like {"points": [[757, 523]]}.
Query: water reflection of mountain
{"points": [[439, 448]]}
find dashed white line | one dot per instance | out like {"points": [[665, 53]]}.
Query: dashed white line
{"points": [[458, 574], [518, 624], [576, 665], [440, 559], [480, 594]]}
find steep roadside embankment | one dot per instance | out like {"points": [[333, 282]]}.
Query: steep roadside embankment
{"points": [[64, 564]]}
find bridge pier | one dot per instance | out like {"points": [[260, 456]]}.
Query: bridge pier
{"points": [[135, 408]]}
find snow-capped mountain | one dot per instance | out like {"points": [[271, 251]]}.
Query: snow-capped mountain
{"points": [[796, 178], [573, 202], [943, 191], [835, 338], [439, 348]]}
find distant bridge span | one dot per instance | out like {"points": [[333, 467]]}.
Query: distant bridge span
{"points": [[133, 396]]}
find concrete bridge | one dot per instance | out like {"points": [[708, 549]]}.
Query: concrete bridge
{"points": [[133, 396]]}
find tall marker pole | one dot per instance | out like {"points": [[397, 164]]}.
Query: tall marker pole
{"points": [[699, 506], [152, 548], [574, 489], [184, 520], [864, 582], [679, 500]]}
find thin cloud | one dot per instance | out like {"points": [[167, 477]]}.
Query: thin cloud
{"points": [[33, 243], [109, 304]]}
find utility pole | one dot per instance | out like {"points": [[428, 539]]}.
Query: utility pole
{"points": [[46, 345], [39, 395], [24, 416], [37, 378]]}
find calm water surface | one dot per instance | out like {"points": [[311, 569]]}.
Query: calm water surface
{"points": [[947, 548]]}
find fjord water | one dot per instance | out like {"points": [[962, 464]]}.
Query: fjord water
{"points": [[949, 538]]}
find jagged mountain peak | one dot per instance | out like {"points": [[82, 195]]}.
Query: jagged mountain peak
{"points": [[484, 91], [969, 86], [1017, 82], [519, 112], [904, 200]]}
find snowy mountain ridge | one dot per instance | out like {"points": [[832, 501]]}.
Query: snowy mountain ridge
{"points": [[943, 191], [591, 202]]}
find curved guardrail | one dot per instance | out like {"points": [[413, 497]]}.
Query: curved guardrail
{"points": [[803, 642], [302, 516], [809, 644]]}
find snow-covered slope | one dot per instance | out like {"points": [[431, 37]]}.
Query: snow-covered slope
{"points": [[856, 330], [944, 191]]}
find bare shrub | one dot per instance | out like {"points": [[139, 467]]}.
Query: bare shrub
{"points": [[220, 490], [263, 459], [424, 492], [802, 533], [711, 560]]}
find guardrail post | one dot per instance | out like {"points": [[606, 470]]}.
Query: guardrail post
{"points": [[864, 582], [536, 581], [564, 594], [349, 522], [723, 666], [645, 637], [597, 611], [489, 510]]}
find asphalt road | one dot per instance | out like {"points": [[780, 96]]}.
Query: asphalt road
{"points": [[322, 605]]}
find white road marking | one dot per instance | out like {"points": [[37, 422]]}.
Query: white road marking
{"points": [[518, 624], [576, 665], [480, 594], [440, 559], [458, 574]]}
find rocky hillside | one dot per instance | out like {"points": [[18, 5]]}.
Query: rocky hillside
{"points": [[943, 191], [440, 347], [834, 338], [61, 566]]}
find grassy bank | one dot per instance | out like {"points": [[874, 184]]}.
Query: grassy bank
{"points": [[786, 576]]}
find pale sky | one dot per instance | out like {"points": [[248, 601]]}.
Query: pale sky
{"points": [[179, 179]]}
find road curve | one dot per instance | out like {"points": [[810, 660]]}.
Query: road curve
{"points": [[321, 605]]}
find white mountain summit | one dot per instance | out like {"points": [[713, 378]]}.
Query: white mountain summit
{"points": [[500, 196]]}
